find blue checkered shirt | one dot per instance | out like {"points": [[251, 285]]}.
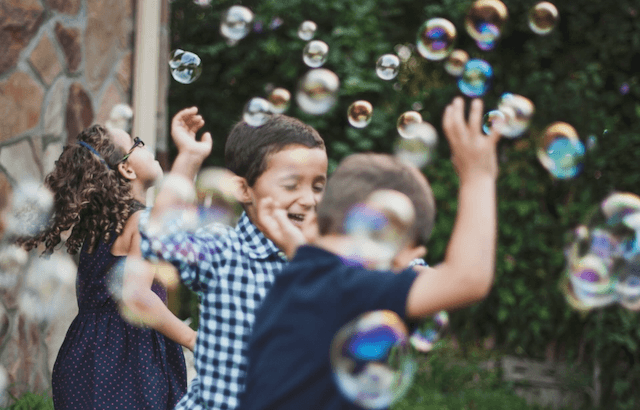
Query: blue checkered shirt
{"points": [[231, 271]]}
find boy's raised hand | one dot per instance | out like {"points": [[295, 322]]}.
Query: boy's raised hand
{"points": [[184, 126], [473, 153]]}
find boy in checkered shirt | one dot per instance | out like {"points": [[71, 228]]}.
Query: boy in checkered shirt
{"points": [[281, 164]]}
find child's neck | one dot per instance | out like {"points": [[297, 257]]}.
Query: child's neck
{"points": [[139, 193], [333, 243]]}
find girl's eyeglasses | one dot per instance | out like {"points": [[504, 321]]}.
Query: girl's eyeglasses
{"points": [[137, 142]]}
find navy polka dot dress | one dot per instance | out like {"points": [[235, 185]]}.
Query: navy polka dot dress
{"points": [[107, 363]]}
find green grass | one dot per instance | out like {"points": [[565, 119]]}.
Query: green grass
{"points": [[32, 401], [445, 381]]}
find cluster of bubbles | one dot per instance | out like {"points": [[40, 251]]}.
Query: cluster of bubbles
{"points": [[603, 258], [372, 361], [418, 139], [208, 203], [41, 282], [378, 228]]}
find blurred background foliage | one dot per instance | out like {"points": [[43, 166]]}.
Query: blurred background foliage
{"points": [[574, 74]]}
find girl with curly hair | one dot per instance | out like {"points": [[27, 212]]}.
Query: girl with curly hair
{"points": [[99, 184]]}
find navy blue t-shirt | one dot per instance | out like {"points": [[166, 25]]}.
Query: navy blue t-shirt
{"points": [[312, 298]]}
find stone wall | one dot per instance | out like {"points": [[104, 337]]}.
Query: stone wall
{"points": [[63, 65]]}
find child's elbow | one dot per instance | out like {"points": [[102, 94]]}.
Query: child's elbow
{"points": [[479, 286]]}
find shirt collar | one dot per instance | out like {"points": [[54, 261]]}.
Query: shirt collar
{"points": [[253, 241]]}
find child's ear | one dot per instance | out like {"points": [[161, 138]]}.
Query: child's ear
{"points": [[126, 171], [242, 190]]}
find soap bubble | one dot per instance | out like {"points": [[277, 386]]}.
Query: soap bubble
{"points": [[485, 20], [307, 30], [592, 142], [429, 333], [30, 210], [279, 99], [215, 189], [436, 39], [12, 262], [476, 78], [44, 288], [317, 91], [560, 151], [418, 147], [202, 3], [518, 111], [236, 23], [406, 120], [543, 17], [360, 114], [603, 259], [624, 88], [182, 215], [315, 53], [379, 228], [455, 62], [489, 119], [371, 360], [403, 52], [388, 66], [185, 66], [257, 112]]}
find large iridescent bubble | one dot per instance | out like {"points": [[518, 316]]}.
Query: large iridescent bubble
{"points": [[485, 19], [388, 66], [476, 78], [182, 215], [372, 361], [315, 53], [236, 23], [317, 91], [560, 151], [378, 228], [492, 118], [603, 256], [185, 66], [436, 39], [215, 197], [543, 17], [417, 144]]}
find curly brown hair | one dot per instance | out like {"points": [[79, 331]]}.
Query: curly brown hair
{"points": [[90, 195]]}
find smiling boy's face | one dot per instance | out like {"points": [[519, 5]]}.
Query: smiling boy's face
{"points": [[295, 178]]}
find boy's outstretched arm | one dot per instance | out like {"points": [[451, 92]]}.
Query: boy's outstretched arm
{"points": [[466, 274], [191, 153]]}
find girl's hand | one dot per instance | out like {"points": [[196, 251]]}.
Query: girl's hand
{"points": [[184, 126]]}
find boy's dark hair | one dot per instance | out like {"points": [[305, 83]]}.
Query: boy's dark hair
{"points": [[359, 175], [247, 149]]}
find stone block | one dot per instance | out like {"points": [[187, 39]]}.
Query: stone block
{"points": [[107, 27], [64, 6], [50, 156], [123, 74], [110, 98], [69, 39], [79, 111], [54, 111], [45, 61], [20, 104], [21, 161], [19, 21]]}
